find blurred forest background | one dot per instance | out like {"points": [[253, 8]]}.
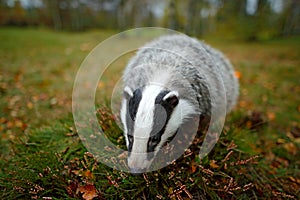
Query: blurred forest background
{"points": [[243, 19]]}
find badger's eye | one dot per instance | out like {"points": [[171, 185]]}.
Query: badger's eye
{"points": [[153, 141]]}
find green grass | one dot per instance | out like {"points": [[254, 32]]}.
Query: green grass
{"points": [[41, 155]]}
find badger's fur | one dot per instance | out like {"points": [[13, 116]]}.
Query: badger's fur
{"points": [[166, 82]]}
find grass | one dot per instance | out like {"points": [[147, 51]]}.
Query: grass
{"points": [[43, 158]]}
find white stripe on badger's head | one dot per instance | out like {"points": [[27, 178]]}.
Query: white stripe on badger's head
{"points": [[150, 115]]}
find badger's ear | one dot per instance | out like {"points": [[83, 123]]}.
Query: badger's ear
{"points": [[127, 92], [171, 98]]}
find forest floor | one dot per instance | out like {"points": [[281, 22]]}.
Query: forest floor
{"points": [[42, 157]]}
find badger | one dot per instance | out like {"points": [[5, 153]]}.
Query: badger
{"points": [[170, 79]]}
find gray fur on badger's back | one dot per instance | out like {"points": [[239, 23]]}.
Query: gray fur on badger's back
{"points": [[191, 59]]}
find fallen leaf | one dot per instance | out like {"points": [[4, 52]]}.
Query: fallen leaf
{"points": [[271, 116], [292, 179], [242, 104], [213, 164], [2, 120], [35, 98], [193, 168], [237, 74], [88, 174], [89, 192], [291, 148], [29, 105], [254, 121], [282, 161], [280, 141], [295, 131], [9, 124], [270, 156], [18, 77], [100, 85], [20, 124]]}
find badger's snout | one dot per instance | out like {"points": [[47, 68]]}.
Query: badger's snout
{"points": [[138, 162]]}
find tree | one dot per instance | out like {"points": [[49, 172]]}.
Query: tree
{"points": [[19, 14], [53, 8], [193, 22], [121, 15], [291, 18], [173, 21], [231, 17], [256, 24], [3, 14]]}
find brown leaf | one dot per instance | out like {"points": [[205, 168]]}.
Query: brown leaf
{"points": [[280, 141], [29, 105], [213, 164], [18, 123], [278, 162], [271, 116], [88, 174], [242, 104], [295, 131], [193, 167], [9, 124], [254, 121], [2, 120], [89, 192], [291, 148], [101, 85]]}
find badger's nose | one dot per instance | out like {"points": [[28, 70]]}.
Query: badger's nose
{"points": [[137, 171]]}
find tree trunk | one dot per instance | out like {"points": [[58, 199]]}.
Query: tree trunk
{"points": [[172, 15]]}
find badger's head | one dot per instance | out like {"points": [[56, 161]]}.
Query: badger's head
{"points": [[151, 115]]}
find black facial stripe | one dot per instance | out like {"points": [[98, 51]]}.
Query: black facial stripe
{"points": [[134, 103], [130, 143], [132, 108], [162, 114], [129, 123]]}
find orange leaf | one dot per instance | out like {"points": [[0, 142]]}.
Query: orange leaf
{"points": [[9, 124], [18, 123], [243, 104], [88, 174], [29, 105], [100, 85], [213, 164], [237, 74], [271, 116], [2, 120], [89, 192], [193, 168]]}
